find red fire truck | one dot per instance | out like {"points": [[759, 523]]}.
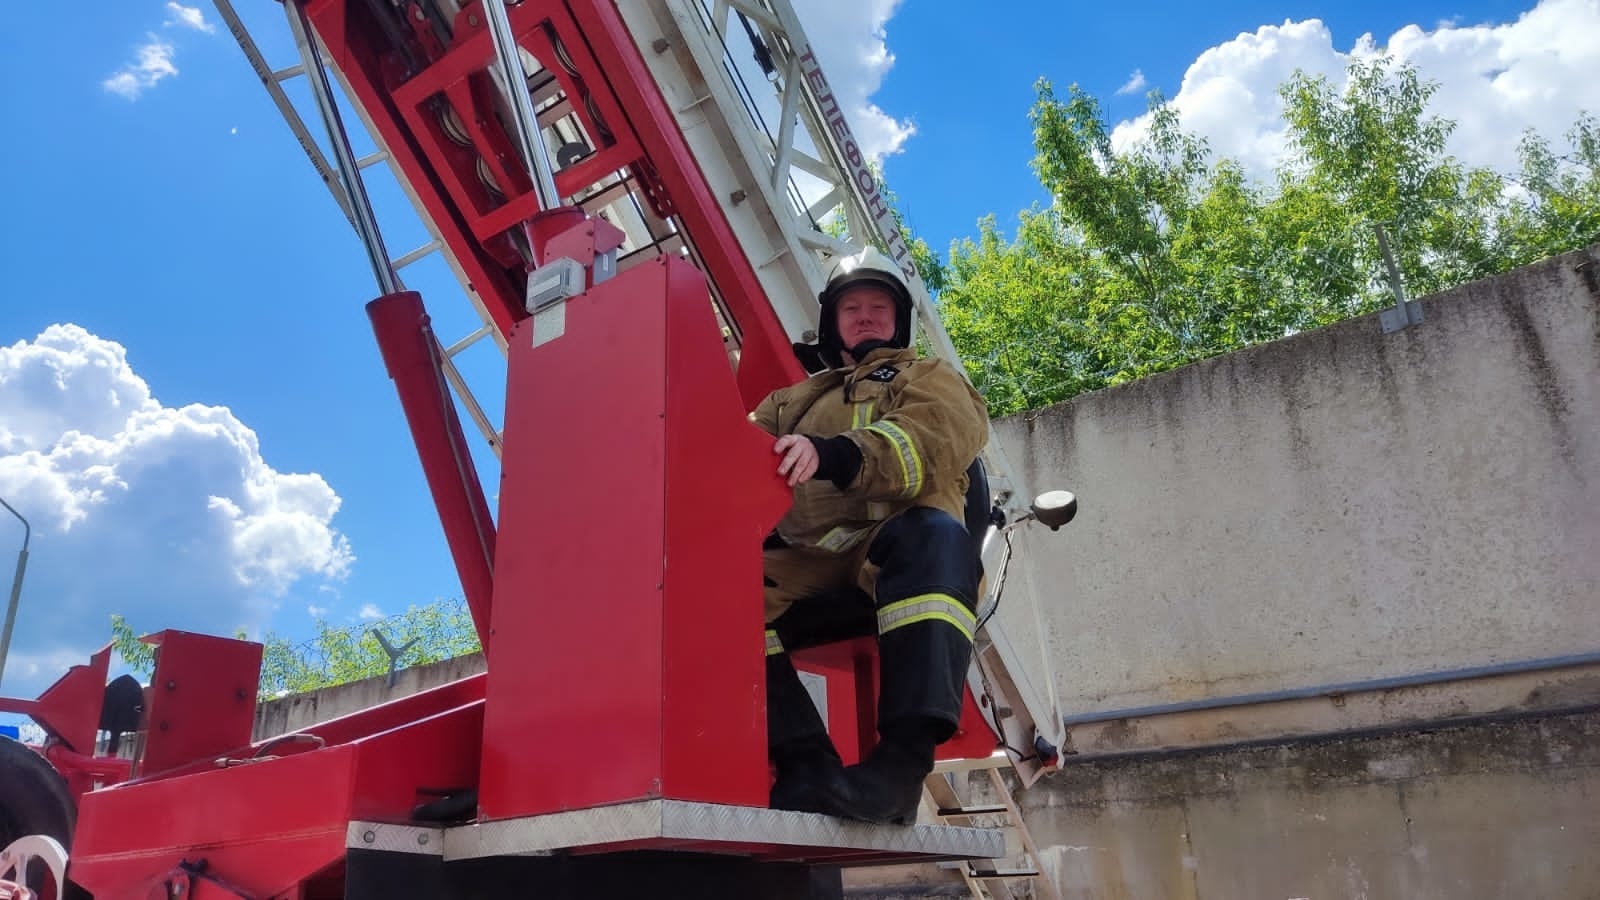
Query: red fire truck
{"points": [[656, 185]]}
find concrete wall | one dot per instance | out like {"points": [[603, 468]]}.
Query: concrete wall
{"points": [[1502, 810], [1344, 508], [1338, 506], [299, 711]]}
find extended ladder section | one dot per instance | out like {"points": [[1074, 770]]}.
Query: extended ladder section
{"points": [[797, 197], [954, 804], [716, 131], [311, 60]]}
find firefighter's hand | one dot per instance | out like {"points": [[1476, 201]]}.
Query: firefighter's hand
{"points": [[799, 458]]}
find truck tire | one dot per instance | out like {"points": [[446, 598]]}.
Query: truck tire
{"points": [[34, 800]]}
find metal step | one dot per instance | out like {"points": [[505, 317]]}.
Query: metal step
{"points": [[995, 809], [1004, 873]]}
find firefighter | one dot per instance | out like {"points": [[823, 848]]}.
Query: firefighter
{"points": [[877, 447]]}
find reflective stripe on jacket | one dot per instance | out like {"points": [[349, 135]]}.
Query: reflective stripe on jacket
{"points": [[919, 425]]}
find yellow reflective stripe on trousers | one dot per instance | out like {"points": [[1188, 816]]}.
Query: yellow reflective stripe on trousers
{"points": [[774, 646], [910, 462], [927, 607]]}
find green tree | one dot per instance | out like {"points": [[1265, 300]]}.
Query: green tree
{"points": [[341, 654], [139, 656], [338, 654], [1156, 256]]}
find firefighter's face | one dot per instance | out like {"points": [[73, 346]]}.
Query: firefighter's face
{"points": [[865, 313]]}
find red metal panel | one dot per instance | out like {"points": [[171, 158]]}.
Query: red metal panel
{"points": [[436, 754], [851, 668], [723, 497], [202, 698], [265, 827], [629, 490], [578, 585], [269, 825], [70, 708], [838, 663]]}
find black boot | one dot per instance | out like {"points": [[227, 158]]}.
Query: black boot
{"points": [[803, 766], [886, 788], [797, 740]]}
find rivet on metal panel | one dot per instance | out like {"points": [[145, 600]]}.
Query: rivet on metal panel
{"points": [[422, 840], [660, 45], [368, 837]]}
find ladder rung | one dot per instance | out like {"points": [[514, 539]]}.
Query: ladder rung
{"points": [[372, 159], [947, 811], [285, 74], [1004, 873], [416, 254], [482, 332]]}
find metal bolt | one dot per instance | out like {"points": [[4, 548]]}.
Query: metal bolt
{"points": [[368, 837], [660, 45], [737, 197], [473, 21], [172, 685], [422, 840]]}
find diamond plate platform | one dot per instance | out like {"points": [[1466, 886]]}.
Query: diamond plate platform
{"points": [[696, 827]]}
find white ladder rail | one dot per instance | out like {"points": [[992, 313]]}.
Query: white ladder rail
{"points": [[272, 80]]}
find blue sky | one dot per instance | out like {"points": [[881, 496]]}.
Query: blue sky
{"points": [[192, 409]]}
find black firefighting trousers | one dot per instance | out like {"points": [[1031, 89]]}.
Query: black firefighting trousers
{"points": [[916, 589]]}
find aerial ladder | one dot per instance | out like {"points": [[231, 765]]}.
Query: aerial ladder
{"points": [[643, 248]]}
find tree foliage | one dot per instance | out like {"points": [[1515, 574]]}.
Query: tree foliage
{"points": [[338, 654], [1155, 256]]}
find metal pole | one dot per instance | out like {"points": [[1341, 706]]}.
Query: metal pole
{"points": [[527, 122], [366, 223], [16, 588], [1395, 283]]}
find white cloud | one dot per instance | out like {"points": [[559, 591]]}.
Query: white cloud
{"points": [[153, 62], [188, 17], [1494, 81], [1134, 84], [168, 515], [370, 611], [317, 612], [850, 39]]}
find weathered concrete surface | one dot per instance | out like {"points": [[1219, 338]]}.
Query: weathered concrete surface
{"points": [[1338, 506], [1502, 810], [299, 711]]}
